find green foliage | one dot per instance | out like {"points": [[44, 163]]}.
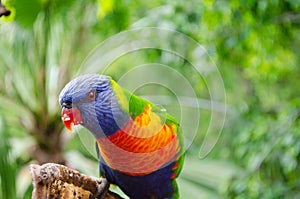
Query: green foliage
{"points": [[27, 11], [254, 45], [268, 149], [8, 167]]}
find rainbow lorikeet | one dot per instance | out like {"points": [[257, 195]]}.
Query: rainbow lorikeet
{"points": [[140, 145]]}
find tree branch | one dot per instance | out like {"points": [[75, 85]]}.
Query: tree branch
{"points": [[57, 181]]}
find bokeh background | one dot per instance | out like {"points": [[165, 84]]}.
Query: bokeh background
{"points": [[255, 45]]}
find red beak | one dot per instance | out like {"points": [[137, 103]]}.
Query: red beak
{"points": [[71, 117]]}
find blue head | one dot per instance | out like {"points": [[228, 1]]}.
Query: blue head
{"points": [[91, 102]]}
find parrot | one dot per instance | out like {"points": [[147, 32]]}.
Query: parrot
{"points": [[140, 146]]}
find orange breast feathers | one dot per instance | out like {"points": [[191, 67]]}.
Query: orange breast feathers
{"points": [[142, 146]]}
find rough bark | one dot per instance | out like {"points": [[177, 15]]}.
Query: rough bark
{"points": [[57, 181]]}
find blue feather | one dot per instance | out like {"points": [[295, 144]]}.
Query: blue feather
{"points": [[156, 185]]}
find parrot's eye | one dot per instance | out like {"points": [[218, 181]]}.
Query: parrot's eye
{"points": [[67, 105], [91, 95]]}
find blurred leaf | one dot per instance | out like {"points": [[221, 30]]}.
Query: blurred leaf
{"points": [[8, 167], [26, 11], [210, 175], [193, 190], [105, 7]]}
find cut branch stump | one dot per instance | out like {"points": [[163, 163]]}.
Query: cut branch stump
{"points": [[57, 181]]}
